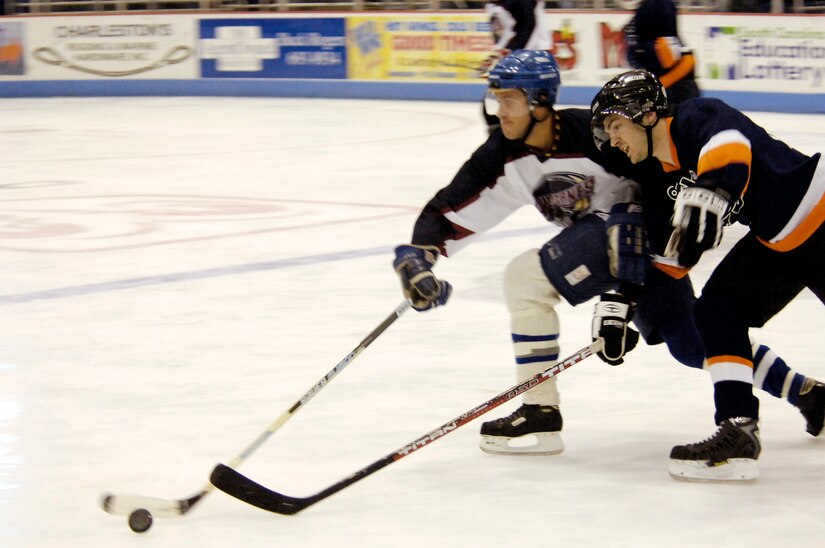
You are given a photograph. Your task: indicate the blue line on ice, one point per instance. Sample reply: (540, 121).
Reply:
(175, 277)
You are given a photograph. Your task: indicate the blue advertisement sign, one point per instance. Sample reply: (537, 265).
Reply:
(273, 48)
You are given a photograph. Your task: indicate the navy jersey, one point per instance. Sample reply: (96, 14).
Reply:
(653, 44)
(778, 191)
(502, 175)
(658, 189)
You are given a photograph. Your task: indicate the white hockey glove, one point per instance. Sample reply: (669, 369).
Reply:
(610, 317)
(414, 266)
(698, 217)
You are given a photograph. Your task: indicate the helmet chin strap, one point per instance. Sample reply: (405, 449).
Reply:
(533, 122)
(649, 131)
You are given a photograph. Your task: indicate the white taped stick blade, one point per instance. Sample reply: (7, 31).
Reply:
(124, 505)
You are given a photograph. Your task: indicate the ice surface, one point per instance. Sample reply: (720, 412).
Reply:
(178, 271)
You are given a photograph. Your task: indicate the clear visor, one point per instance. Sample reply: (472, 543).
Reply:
(600, 135)
(506, 102)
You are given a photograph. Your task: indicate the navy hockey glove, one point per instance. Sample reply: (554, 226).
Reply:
(628, 247)
(610, 317)
(414, 266)
(698, 216)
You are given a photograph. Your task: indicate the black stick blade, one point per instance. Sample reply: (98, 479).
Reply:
(233, 483)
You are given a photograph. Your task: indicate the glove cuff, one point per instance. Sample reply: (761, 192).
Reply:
(706, 198)
(618, 303)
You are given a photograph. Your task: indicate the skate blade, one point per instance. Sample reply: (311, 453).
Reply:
(733, 471)
(547, 443)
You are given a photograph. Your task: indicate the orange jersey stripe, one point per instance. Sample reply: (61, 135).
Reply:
(676, 272)
(801, 233)
(665, 53)
(682, 69)
(724, 155)
(730, 359)
(673, 154)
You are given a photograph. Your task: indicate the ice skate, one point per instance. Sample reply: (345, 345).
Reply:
(729, 455)
(811, 404)
(529, 430)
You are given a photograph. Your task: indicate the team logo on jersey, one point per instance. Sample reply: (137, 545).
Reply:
(683, 183)
(733, 212)
(689, 180)
(562, 196)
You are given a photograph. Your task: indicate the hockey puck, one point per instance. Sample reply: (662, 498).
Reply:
(140, 520)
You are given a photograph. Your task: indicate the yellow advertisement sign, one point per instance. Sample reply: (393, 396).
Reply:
(449, 48)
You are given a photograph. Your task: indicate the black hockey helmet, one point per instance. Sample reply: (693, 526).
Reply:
(631, 94)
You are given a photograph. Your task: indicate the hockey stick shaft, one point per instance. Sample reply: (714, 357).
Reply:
(239, 486)
(126, 504)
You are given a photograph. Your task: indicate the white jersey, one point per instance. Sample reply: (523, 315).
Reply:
(502, 176)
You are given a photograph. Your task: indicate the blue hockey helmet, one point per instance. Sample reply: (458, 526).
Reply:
(631, 94)
(535, 72)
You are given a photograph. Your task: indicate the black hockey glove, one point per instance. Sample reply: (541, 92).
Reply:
(414, 266)
(610, 317)
(628, 247)
(698, 216)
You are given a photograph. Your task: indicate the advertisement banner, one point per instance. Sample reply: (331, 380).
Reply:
(273, 48)
(751, 60)
(589, 48)
(11, 48)
(783, 55)
(142, 46)
(446, 48)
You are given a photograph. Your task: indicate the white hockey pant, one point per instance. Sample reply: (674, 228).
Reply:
(531, 299)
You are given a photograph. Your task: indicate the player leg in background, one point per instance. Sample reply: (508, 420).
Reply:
(772, 374)
(665, 314)
(576, 262)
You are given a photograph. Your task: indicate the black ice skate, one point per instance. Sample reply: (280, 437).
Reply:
(811, 404)
(529, 430)
(730, 455)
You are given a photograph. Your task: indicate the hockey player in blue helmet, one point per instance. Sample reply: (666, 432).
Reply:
(546, 158)
(525, 74)
(515, 24)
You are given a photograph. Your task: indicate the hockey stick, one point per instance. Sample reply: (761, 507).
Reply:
(239, 486)
(124, 505)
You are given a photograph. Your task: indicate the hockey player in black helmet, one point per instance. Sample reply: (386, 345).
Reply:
(546, 158)
(631, 95)
(727, 169)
